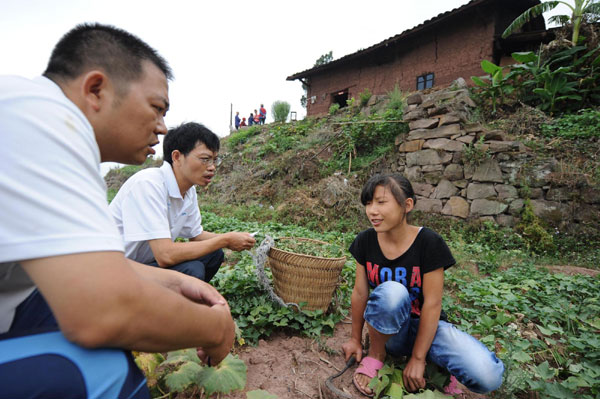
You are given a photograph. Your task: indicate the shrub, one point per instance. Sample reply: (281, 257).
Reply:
(280, 110)
(396, 99)
(536, 236)
(334, 108)
(365, 96)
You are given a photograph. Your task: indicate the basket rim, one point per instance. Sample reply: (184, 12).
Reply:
(307, 256)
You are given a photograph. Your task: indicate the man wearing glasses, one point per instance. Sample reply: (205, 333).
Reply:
(157, 205)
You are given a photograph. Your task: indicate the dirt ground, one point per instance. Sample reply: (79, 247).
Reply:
(293, 367)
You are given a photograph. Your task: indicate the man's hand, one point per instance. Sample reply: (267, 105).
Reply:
(198, 291)
(413, 375)
(214, 356)
(239, 241)
(352, 347)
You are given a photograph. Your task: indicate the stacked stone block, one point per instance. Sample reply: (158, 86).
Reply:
(432, 157)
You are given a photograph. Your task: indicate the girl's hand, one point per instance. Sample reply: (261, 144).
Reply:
(413, 375)
(352, 347)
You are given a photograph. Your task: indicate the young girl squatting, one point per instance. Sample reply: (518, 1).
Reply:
(403, 267)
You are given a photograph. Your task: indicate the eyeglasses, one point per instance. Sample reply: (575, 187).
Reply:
(211, 161)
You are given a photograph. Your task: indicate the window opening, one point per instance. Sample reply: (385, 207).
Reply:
(340, 98)
(425, 81)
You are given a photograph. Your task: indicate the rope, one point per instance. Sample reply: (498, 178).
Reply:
(259, 257)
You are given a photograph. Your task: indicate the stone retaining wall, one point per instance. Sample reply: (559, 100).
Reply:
(461, 169)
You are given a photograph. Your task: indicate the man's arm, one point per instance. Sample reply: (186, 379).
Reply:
(99, 300)
(168, 253)
(190, 287)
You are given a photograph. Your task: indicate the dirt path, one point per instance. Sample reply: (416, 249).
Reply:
(294, 367)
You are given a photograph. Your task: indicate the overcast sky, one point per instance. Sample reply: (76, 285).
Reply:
(221, 52)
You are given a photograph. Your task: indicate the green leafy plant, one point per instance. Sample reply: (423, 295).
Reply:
(545, 331)
(389, 383)
(280, 110)
(183, 370)
(495, 86)
(582, 125)
(535, 235)
(334, 108)
(365, 96)
(350, 103)
(561, 80)
(556, 88)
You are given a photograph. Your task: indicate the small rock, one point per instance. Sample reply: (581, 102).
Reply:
(456, 206)
(478, 191)
(415, 98)
(453, 172)
(423, 124)
(485, 207)
(411, 146)
(428, 205)
(448, 119)
(444, 189)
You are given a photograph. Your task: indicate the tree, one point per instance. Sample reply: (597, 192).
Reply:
(322, 60)
(588, 10)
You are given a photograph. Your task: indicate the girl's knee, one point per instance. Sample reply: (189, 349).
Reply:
(390, 295)
(388, 307)
(487, 376)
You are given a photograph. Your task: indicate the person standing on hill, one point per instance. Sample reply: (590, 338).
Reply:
(155, 206)
(263, 114)
(72, 306)
(237, 120)
(256, 118)
(251, 119)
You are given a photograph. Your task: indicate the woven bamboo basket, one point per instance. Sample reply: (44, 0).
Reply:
(304, 278)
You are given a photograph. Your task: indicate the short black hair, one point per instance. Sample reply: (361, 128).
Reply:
(116, 52)
(186, 137)
(399, 186)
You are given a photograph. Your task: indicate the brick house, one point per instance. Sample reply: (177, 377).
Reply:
(434, 53)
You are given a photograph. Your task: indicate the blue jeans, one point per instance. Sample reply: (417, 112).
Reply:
(473, 365)
(203, 268)
(37, 361)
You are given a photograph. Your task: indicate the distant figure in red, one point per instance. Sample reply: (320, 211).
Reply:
(263, 114)
(243, 122)
(256, 118)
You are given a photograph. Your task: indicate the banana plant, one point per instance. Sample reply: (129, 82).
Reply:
(556, 88)
(497, 84)
(580, 10)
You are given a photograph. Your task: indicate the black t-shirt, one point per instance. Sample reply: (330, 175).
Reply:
(427, 253)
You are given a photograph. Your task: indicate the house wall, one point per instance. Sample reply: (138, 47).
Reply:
(451, 50)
